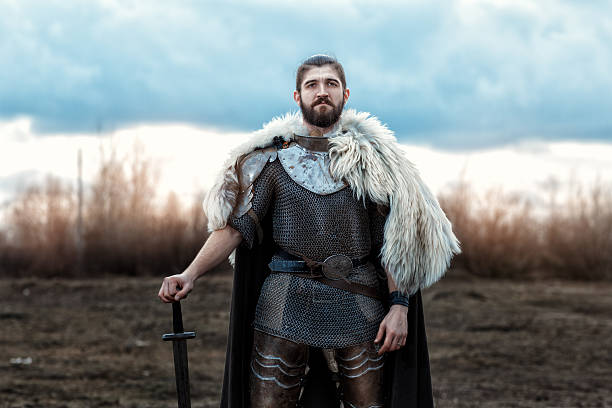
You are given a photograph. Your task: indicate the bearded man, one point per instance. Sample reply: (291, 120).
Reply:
(336, 234)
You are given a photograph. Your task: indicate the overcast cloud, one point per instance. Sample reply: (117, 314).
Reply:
(456, 75)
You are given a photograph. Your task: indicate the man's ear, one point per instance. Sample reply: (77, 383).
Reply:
(296, 97)
(347, 92)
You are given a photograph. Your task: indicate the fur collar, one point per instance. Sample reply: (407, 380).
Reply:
(418, 239)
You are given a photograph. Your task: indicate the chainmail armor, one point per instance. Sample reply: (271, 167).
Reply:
(316, 226)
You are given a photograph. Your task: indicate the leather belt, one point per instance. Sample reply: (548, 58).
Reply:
(332, 272)
(335, 263)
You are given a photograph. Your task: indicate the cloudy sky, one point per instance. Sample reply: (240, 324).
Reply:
(456, 78)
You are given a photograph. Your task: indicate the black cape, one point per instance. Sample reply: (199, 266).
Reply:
(407, 378)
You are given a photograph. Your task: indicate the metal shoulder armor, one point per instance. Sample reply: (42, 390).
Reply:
(309, 169)
(249, 167)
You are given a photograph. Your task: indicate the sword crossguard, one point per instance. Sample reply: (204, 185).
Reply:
(178, 336)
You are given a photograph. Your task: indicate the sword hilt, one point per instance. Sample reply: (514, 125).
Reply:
(177, 325)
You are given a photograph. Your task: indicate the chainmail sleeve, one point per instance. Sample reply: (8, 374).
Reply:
(262, 195)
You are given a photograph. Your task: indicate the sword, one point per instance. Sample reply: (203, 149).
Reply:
(179, 349)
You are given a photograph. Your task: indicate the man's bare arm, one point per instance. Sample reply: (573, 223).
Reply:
(217, 247)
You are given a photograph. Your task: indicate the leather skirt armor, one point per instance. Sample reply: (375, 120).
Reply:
(278, 367)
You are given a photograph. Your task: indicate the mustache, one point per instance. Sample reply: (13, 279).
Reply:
(322, 100)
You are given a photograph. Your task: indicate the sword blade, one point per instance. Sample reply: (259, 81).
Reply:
(181, 371)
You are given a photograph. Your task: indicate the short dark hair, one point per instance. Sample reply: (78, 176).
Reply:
(318, 60)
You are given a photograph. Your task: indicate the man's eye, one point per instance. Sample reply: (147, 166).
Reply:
(331, 83)
(311, 85)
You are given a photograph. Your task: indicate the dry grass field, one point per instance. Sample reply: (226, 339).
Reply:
(493, 343)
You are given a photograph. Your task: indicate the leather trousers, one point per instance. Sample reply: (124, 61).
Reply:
(279, 366)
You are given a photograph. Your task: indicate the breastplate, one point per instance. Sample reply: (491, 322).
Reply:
(309, 169)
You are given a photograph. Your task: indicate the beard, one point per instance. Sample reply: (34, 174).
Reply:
(323, 119)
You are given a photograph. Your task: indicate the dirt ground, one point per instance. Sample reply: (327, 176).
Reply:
(97, 343)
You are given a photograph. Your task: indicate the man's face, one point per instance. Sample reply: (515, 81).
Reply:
(321, 98)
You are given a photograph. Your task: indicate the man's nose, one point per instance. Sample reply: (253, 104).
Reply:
(322, 91)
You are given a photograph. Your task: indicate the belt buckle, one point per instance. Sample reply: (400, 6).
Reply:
(337, 267)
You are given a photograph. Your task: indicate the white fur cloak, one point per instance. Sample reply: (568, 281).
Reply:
(418, 238)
